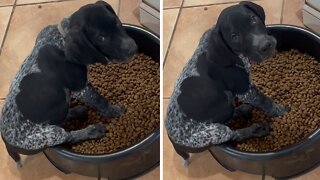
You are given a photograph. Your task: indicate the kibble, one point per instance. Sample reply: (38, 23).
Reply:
(134, 85)
(290, 78)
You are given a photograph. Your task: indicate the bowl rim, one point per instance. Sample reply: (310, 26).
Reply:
(133, 26)
(62, 151)
(228, 149)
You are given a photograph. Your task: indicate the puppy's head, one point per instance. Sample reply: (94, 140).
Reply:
(97, 35)
(242, 27)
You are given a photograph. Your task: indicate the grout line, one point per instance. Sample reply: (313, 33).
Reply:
(8, 26)
(173, 32)
(168, 8)
(212, 4)
(47, 2)
(1, 6)
(282, 9)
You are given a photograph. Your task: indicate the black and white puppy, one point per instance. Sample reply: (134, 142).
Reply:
(56, 69)
(203, 101)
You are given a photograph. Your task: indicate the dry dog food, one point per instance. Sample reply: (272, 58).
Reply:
(134, 85)
(290, 78)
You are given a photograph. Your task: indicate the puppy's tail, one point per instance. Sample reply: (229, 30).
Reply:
(15, 156)
(13, 153)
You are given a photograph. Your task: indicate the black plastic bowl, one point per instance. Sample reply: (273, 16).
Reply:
(126, 164)
(296, 159)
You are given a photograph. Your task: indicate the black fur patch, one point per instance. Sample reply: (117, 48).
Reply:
(203, 99)
(41, 100)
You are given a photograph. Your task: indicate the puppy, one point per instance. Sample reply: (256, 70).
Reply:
(203, 100)
(39, 96)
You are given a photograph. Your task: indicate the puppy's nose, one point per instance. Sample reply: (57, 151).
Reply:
(266, 47)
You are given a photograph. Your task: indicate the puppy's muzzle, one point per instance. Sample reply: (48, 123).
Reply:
(129, 48)
(267, 45)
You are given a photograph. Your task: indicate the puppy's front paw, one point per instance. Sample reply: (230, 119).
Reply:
(95, 131)
(114, 111)
(260, 129)
(278, 110)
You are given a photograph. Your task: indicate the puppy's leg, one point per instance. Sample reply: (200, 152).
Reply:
(40, 136)
(259, 100)
(255, 130)
(93, 131)
(91, 97)
(215, 133)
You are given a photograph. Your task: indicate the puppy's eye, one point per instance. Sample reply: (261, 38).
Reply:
(234, 37)
(102, 38)
(254, 19)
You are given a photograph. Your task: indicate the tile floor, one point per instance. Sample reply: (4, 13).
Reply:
(17, 36)
(185, 22)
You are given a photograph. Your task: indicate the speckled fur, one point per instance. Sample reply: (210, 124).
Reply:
(14, 128)
(187, 132)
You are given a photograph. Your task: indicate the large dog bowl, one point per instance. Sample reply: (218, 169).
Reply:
(125, 164)
(296, 159)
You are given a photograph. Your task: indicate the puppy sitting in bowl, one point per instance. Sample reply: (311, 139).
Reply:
(39, 96)
(203, 100)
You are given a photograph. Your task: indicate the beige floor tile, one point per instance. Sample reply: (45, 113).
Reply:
(153, 175)
(38, 1)
(292, 12)
(272, 10)
(171, 3)
(315, 174)
(190, 28)
(5, 15)
(205, 2)
(169, 21)
(6, 2)
(129, 11)
(21, 36)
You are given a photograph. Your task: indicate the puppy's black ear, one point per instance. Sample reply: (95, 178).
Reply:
(218, 50)
(108, 6)
(79, 49)
(258, 10)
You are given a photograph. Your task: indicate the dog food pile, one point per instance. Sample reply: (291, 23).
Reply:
(289, 78)
(134, 85)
